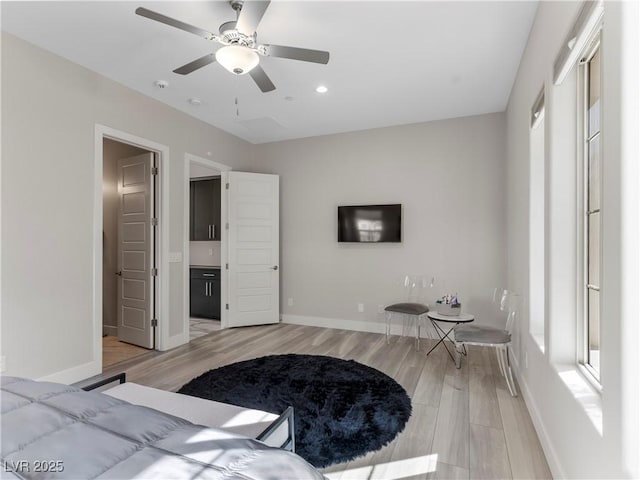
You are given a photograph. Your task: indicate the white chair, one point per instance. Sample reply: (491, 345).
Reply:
(492, 337)
(414, 309)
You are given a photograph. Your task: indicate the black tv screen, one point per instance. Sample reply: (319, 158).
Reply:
(370, 223)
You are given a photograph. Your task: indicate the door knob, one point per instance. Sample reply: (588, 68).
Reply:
(275, 267)
(119, 273)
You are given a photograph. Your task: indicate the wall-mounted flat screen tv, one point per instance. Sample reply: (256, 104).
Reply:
(370, 223)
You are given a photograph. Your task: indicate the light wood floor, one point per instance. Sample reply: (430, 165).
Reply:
(115, 351)
(202, 326)
(464, 422)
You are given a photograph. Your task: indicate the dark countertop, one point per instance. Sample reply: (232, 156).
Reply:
(205, 266)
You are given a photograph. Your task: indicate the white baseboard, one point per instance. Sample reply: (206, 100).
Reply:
(74, 374)
(110, 330)
(545, 440)
(353, 325)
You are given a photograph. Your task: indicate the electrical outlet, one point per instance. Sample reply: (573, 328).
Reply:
(380, 308)
(361, 307)
(290, 302)
(211, 252)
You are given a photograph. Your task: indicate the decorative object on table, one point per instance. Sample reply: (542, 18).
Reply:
(411, 311)
(507, 303)
(448, 305)
(342, 409)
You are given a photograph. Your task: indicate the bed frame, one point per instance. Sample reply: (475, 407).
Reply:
(279, 432)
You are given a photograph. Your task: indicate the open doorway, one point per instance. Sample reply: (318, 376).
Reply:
(249, 245)
(204, 245)
(128, 251)
(205, 249)
(164, 336)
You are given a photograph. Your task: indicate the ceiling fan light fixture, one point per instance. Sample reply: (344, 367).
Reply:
(237, 59)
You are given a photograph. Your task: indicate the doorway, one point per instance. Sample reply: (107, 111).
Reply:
(129, 253)
(165, 336)
(249, 245)
(204, 246)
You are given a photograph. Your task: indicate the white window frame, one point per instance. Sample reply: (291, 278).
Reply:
(583, 353)
(537, 223)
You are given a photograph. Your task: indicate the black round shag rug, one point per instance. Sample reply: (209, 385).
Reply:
(343, 409)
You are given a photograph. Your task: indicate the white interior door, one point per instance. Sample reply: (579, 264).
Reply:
(135, 250)
(253, 244)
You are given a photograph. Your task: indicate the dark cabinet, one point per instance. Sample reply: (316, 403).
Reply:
(205, 209)
(205, 293)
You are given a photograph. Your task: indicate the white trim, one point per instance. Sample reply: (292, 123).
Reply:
(206, 162)
(110, 330)
(224, 249)
(589, 19)
(75, 374)
(3, 360)
(537, 110)
(630, 235)
(96, 351)
(545, 439)
(338, 323)
(223, 169)
(370, 326)
(583, 149)
(164, 341)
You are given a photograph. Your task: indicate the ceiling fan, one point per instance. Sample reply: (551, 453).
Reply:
(240, 53)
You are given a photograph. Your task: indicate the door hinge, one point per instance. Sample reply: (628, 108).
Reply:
(154, 322)
(226, 226)
(227, 186)
(154, 170)
(226, 266)
(226, 306)
(154, 272)
(154, 222)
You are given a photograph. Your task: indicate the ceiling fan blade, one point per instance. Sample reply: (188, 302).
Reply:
(250, 16)
(158, 17)
(294, 53)
(196, 64)
(262, 80)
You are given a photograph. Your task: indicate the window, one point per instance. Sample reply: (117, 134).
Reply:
(537, 205)
(591, 153)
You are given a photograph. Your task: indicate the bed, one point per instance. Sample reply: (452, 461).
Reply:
(52, 430)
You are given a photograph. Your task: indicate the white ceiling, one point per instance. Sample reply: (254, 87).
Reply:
(392, 62)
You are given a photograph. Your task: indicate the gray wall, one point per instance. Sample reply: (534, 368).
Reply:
(50, 108)
(448, 176)
(112, 151)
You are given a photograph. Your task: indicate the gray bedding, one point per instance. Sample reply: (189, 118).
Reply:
(51, 430)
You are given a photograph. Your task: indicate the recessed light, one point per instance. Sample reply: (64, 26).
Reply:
(321, 89)
(195, 101)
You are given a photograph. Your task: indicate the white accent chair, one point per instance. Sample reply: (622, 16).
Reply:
(492, 337)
